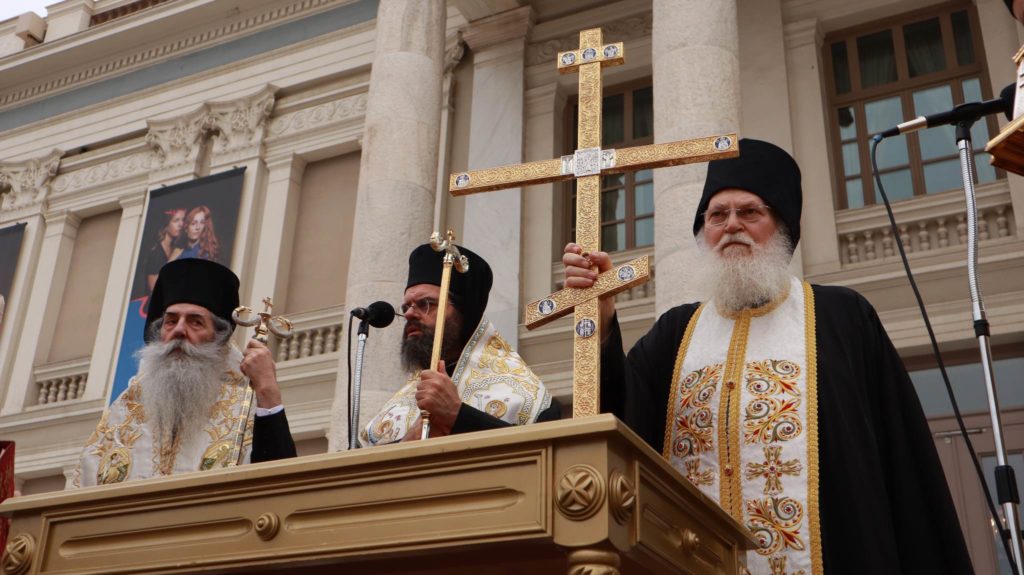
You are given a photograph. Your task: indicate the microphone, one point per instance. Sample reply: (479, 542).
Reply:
(378, 314)
(970, 111)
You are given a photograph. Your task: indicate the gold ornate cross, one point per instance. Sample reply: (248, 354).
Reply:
(587, 165)
(263, 322)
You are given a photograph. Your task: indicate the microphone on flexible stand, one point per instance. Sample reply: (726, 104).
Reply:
(1007, 151)
(378, 314)
(969, 112)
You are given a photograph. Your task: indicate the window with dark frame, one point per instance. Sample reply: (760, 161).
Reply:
(627, 200)
(884, 73)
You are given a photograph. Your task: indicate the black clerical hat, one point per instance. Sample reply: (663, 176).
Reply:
(469, 290)
(195, 281)
(763, 169)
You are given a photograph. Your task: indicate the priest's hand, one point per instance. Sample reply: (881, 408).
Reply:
(436, 393)
(581, 271)
(258, 365)
(415, 432)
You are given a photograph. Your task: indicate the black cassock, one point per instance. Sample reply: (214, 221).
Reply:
(885, 506)
(271, 438)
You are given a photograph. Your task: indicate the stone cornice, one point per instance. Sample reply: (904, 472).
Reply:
(65, 7)
(27, 183)
(132, 202)
(308, 119)
(62, 222)
(87, 70)
(231, 131)
(240, 125)
(499, 28)
(235, 130)
(120, 168)
(122, 11)
(802, 33)
(455, 49)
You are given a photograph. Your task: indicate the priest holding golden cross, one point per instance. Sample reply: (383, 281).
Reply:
(264, 322)
(587, 166)
(756, 395)
(189, 408)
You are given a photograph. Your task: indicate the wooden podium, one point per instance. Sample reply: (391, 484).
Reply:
(581, 496)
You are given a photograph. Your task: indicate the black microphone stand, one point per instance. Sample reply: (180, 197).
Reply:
(353, 421)
(1006, 484)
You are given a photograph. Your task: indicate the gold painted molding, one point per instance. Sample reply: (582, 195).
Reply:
(448, 505)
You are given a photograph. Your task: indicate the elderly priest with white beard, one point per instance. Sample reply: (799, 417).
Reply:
(185, 409)
(784, 402)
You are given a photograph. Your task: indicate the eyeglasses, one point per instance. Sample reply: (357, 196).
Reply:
(422, 306)
(748, 214)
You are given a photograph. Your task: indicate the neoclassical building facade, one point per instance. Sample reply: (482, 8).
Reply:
(348, 116)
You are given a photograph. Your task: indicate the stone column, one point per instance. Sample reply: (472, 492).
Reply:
(104, 350)
(696, 93)
(493, 220)
(24, 187)
(277, 229)
(541, 203)
(395, 203)
(455, 49)
(765, 111)
(44, 305)
(819, 247)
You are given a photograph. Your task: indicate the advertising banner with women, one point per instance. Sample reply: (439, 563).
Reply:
(10, 248)
(195, 219)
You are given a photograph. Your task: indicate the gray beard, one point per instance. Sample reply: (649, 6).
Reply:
(416, 350)
(740, 281)
(180, 383)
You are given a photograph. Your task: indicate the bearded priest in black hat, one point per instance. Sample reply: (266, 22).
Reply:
(185, 410)
(481, 382)
(784, 402)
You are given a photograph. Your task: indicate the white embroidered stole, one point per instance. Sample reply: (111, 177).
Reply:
(742, 425)
(489, 375)
(123, 446)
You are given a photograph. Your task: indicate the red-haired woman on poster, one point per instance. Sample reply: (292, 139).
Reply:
(200, 239)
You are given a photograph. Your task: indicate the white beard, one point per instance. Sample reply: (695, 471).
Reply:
(180, 387)
(737, 280)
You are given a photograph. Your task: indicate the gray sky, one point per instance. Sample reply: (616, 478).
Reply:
(12, 8)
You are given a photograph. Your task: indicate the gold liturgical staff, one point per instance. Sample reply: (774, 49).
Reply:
(587, 165)
(264, 322)
(452, 258)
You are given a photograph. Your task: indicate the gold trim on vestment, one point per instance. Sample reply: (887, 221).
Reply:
(813, 491)
(489, 376)
(666, 449)
(730, 485)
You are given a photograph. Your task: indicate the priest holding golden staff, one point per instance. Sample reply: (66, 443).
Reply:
(481, 382)
(186, 409)
(784, 402)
